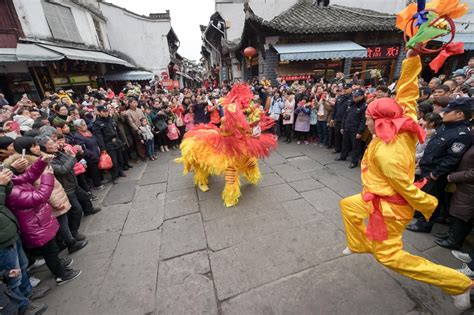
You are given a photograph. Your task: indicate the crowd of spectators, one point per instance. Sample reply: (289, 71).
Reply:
(51, 155)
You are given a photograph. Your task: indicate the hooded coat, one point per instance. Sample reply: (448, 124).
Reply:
(59, 201)
(30, 205)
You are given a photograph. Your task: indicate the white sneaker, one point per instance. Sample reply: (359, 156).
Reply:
(463, 300)
(347, 251)
(465, 270)
(464, 257)
(298, 142)
(34, 281)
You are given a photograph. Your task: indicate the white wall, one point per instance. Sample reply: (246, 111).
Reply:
(33, 21)
(142, 39)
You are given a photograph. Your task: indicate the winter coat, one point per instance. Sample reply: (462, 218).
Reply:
(462, 203)
(63, 166)
(146, 133)
(59, 201)
(30, 205)
(8, 223)
(289, 111)
(173, 132)
(89, 145)
(302, 118)
(26, 123)
(189, 121)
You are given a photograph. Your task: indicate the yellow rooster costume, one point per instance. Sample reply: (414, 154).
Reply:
(389, 194)
(233, 149)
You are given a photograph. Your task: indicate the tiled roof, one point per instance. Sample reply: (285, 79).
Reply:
(307, 18)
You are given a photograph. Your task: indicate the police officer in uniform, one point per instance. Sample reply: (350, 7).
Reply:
(353, 125)
(443, 153)
(342, 102)
(108, 137)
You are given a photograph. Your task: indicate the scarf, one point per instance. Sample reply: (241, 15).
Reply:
(390, 120)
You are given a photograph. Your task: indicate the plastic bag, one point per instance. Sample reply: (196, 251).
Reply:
(105, 161)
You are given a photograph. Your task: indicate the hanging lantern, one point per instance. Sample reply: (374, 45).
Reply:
(250, 52)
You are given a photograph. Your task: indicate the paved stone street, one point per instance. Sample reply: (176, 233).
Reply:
(161, 247)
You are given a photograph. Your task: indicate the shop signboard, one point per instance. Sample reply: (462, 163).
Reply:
(295, 77)
(176, 84)
(79, 79)
(60, 81)
(167, 84)
(383, 51)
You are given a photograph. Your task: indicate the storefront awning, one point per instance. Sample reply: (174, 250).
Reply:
(129, 76)
(466, 38)
(8, 55)
(32, 52)
(316, 51)
(86, 55)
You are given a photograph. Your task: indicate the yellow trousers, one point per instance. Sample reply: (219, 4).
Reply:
(390, 252)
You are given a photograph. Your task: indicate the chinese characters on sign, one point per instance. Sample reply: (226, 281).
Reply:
(295, 77)
(391, 51)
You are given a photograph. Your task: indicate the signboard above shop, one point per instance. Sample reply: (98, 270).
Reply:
(383, 51)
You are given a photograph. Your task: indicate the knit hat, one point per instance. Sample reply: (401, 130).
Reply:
(5, 142)
(24, 143)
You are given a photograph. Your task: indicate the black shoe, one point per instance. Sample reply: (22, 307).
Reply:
(104, 181)
(77, 245)
(441, 236)
(66, 261)
(417, 228)
(129, 166)
(125, 168)
(122, 175)
(447, 244)
(93, 211)
(340, 159)
(93, 197)
(69, 275)
(353, 165)
(79, 236)
(115, 181)
(35, 309)
(39, 292)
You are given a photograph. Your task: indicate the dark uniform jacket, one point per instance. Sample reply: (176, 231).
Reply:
(462, 203)
(354, 117)
(342, 102)
(445, 149)
(105, 130)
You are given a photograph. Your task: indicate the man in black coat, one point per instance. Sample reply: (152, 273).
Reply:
(342, 102)
(105, 130)
(353, 125)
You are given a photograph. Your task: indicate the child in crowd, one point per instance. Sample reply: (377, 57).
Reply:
(189, 119)
(147, 138)
(173, 134)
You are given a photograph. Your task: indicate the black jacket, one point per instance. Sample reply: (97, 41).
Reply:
(105, 130)
(445, 149)
(354, 117)
(342, 102)
(63, 167)
(8, 224)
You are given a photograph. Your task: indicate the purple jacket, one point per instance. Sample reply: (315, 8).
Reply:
(30, 205)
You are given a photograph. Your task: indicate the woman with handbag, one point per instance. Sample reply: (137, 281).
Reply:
(277, 104)
(159, 118)
(178, 111)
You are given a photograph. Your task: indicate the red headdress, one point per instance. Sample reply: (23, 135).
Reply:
(390, 120)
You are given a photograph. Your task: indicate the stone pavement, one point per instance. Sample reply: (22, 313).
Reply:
(161, 247)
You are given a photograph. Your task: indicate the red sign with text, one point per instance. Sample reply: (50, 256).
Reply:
(383, 51)
(295, 77)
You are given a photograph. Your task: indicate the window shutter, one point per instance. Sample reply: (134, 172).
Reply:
(61, 22)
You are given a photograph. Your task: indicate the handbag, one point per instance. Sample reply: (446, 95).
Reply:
(286, 116)
(105, 161)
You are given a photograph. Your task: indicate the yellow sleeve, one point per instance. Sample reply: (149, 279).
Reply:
(396, 175)
(408, 91)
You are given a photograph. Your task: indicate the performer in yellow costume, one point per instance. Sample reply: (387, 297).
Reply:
(390, 195)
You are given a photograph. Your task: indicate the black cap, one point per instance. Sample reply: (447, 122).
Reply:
(347, 86)
(461, 104)
(102, 108)
(5, 142)
(358, 92)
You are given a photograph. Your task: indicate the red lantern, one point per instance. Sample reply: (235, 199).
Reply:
(249, 52)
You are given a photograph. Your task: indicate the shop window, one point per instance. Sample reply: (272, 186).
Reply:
(100, 35)
(61, 22)
(364, 67)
